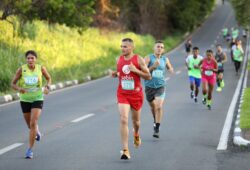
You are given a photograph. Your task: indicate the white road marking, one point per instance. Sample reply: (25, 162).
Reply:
(178, 72)
(82, 118)
(8, 148)
(168, 78)
(229, 119)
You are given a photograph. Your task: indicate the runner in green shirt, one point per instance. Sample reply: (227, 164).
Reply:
(29, 79)
(238, 55)
(194, 72)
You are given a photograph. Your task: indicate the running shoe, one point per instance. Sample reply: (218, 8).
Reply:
(156, 133)
(38, 136)
(209, 107)
(137, 141)
(192, 95)
(125, 154)
(222, 84)
(195, 99)
(204, 101)
(219, 89)
(29, 154)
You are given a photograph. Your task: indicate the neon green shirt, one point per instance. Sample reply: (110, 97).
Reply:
(191, 62)
(238, 55)
(224, 31)
(31, 80)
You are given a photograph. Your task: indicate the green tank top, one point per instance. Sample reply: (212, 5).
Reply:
(31, 80)
(191, 61)
(238, 55)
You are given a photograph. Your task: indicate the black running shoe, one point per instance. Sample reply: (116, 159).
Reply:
(195, 100)
(204, 101)
(192, 95)
(156, 133)
(125, 154)
(209, 107)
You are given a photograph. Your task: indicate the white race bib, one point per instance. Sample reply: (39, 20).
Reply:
(157, 74)
(209, 73)
(31, 80)
(219, 64)
(128, 84)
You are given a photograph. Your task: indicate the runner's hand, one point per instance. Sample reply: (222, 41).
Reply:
(21, 90)
(46, 90)
(196, 67)
(171, 70)
(114, 74)
(132, 67)
(156, 63)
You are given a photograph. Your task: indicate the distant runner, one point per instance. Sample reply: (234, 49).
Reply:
(194, 72)
(209, 68)
(188, 46)
(221, 58)
(238, 55)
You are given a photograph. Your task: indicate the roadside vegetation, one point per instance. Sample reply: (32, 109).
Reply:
(82, 37)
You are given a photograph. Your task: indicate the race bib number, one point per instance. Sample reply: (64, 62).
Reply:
(128, 84)
(157, 74)
(31, 80)
(219, 64)
(209, 73)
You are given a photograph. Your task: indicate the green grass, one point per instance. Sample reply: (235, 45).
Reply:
(67, 54)
(248, 65)
(245, 111)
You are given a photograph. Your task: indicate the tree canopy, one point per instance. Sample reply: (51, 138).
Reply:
(70, 12)
(242, 11)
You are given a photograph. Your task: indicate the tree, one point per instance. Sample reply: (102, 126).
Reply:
(242, 11)
(73, 13)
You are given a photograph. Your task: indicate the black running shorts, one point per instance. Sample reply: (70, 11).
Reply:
(27, 106)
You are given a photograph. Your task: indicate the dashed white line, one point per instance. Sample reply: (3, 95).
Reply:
(8, 148)
(178, 72)
(82, 118)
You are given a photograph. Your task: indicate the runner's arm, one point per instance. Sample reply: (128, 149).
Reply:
(169, 66)
(216, 67)
(144, 72)
(224, 58)
(200, 63)
(152, 67)
(15, 80)
(47, 77)
(186, 63)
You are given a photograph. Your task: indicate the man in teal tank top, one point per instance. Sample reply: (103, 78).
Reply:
(29, 79)
(155, 88)
(194, 72)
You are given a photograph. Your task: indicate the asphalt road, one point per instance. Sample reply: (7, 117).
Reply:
(189, 132)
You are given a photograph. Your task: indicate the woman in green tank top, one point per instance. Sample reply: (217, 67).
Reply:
(28, 82)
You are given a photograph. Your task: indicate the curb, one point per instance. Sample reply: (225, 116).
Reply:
(54, 87)
(238, 138)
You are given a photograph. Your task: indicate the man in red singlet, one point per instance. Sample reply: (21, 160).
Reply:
(130, 68)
